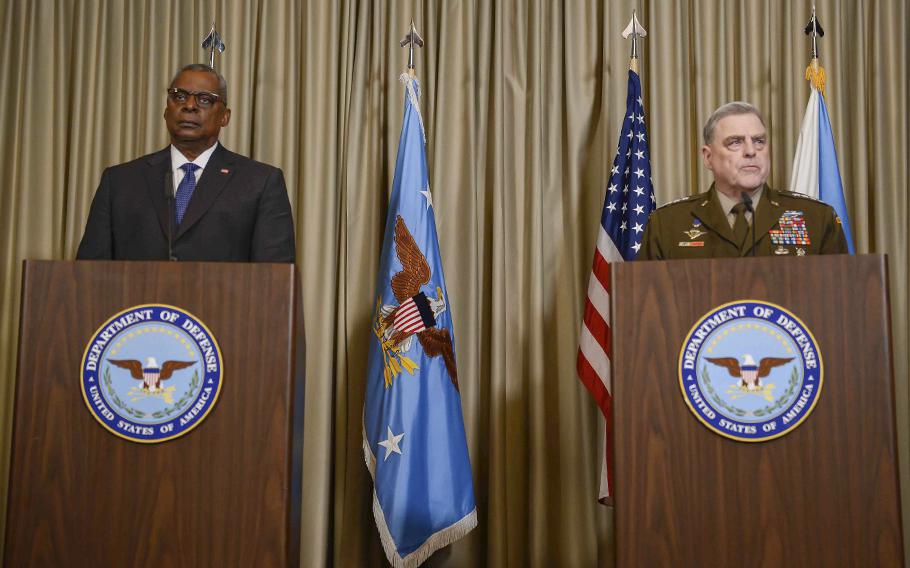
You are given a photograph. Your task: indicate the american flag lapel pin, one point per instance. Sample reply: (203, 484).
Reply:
(224, 170)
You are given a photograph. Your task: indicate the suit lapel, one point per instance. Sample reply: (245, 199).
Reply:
(708, 210)
(158, 165)
(767, 215)
(215, 176)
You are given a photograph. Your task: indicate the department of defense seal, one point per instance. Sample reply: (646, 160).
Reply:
(151, 373)
(750, 370)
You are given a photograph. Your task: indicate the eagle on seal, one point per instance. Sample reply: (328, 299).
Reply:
(416, 313)
(151, 375)
(749, 373)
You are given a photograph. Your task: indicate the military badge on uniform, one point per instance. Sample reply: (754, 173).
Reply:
(151, 373)
(694, 233)
(781, 250)
(792, 230)
(750, 371)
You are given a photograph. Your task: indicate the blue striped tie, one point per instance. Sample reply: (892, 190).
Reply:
(185, 189)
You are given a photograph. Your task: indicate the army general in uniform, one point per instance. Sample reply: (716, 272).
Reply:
(719, 223)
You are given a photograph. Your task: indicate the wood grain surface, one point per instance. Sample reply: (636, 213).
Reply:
(223, 494)
(825, 494)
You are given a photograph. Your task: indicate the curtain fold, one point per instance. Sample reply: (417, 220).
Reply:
(522, 101)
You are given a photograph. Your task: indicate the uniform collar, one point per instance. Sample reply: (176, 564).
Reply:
(708, 210)
(727, 203)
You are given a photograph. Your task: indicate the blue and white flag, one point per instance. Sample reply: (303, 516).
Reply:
(413, 431)
(815, 169)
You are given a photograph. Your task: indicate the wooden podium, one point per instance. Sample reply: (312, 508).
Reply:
(225, 494)
(825, 494)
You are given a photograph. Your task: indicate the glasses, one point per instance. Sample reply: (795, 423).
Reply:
(204, 99)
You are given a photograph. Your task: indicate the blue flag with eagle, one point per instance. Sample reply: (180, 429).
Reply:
(413, 431)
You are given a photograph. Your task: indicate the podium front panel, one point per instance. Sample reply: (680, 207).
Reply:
(825, 494)
(221, 495)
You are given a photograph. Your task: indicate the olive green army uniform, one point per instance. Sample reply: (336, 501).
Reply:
(785, 224)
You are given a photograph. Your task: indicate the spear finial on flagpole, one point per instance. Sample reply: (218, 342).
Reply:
(213, 42)
(635, 30)
(411, 39)
(815, 73)
(814, 29)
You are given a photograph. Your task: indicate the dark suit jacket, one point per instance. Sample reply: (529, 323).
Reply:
(239, 212)
(696, 227)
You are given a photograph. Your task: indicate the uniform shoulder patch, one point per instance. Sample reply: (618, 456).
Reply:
(681, 200)
(798, 195)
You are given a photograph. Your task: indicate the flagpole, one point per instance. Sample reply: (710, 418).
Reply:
(213, 42)
(635, 31)
(815, 73)
(412, 39)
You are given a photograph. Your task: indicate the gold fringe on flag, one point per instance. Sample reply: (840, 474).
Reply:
(815, 74)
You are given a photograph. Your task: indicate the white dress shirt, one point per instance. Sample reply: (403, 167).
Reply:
(178, 159)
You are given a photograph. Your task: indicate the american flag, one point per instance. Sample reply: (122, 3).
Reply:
(628, 203)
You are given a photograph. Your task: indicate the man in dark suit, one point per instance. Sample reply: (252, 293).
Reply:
(217, 205)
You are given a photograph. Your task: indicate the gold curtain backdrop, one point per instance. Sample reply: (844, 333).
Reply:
(523, 100)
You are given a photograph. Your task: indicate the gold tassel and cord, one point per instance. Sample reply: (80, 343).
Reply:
(815, 74)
